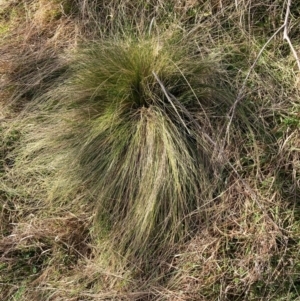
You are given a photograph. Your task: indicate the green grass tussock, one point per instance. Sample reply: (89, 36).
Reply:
(144, 119)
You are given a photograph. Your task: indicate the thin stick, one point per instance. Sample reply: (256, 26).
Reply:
(241, 92)
(285, 33)
(170, 100)
(240, 95)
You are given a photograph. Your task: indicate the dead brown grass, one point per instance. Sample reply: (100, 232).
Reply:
(246, 247)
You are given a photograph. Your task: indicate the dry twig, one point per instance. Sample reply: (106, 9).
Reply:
(285, 33)
(240, 95)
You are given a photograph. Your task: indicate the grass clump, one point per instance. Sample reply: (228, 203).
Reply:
(145, 125)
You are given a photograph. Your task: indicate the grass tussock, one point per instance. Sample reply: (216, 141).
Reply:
(140, 136)
(148, 151)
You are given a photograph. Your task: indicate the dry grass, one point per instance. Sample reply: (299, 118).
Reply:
(110, 194)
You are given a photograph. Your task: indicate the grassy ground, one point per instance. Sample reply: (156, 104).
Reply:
(149, 150)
